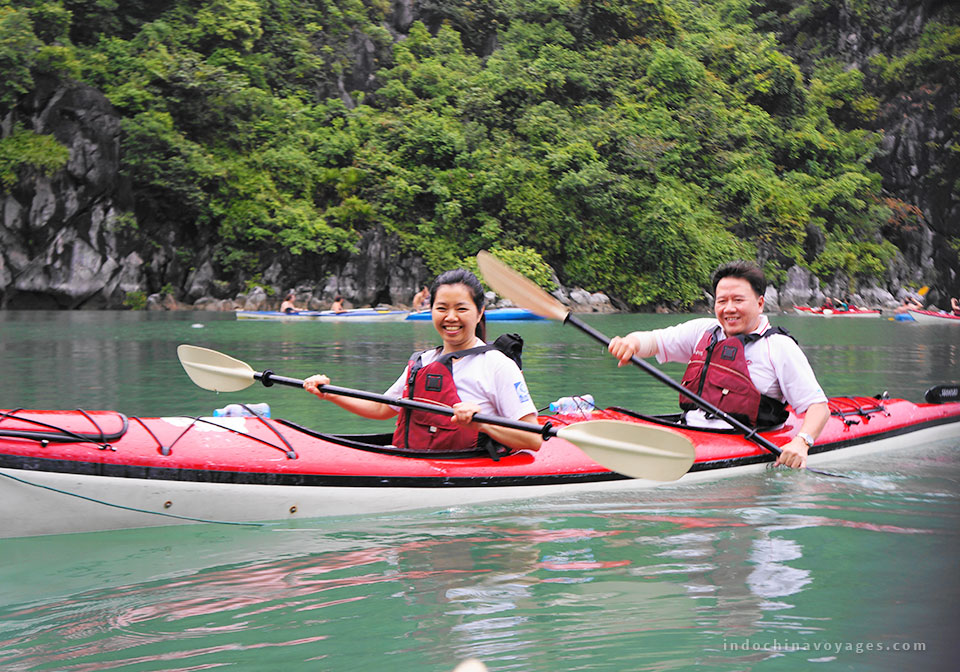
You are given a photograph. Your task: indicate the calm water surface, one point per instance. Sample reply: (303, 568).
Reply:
(778, 571)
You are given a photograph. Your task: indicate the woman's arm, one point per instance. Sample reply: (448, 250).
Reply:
(362, 407)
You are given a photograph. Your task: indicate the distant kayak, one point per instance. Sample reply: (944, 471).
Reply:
(832, 312)
(934, 317)
(354, 315)
(493, 315)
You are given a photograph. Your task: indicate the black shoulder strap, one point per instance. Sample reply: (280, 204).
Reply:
(750, 338)
(448, 358)
(509, 344)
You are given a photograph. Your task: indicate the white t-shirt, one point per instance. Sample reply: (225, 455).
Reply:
(777, 365)
(491, 379)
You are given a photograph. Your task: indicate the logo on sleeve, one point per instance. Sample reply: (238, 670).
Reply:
(522, 393)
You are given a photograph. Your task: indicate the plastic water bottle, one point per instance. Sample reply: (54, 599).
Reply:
(238, 411)
(573, 404)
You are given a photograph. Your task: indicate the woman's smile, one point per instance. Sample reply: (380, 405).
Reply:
(455, 316)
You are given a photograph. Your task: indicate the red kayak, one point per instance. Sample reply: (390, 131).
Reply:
(77, 471)
(934, 317)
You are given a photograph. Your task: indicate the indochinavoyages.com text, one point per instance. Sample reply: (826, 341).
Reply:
(822, 647)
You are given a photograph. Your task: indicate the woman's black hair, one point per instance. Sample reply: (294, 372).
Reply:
(461, 276)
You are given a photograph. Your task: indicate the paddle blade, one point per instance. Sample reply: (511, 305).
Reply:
(214, 370)
(923, 291)
(631, 449)
(521, 290)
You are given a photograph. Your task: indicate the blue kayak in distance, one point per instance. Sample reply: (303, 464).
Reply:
(493, 315)
(353, 315)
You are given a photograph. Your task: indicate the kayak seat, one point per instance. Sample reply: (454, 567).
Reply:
(676, 420)
(381, 443)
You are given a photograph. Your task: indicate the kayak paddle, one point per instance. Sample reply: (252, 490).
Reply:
(525, 293)
(631, 449)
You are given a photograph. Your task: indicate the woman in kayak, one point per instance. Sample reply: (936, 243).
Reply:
(738, 362)
(288, 306)
(463, 373)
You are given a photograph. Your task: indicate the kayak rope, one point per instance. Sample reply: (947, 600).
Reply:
(130, 508)
(64, 435)
(167, 450)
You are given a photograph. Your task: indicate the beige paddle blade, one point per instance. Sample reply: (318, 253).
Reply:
(521, 290)
(214, 370)
(631, 449)
(471, 665)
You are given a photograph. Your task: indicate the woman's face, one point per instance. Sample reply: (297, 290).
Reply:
(455, 316)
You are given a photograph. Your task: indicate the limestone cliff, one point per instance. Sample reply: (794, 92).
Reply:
(71, 240)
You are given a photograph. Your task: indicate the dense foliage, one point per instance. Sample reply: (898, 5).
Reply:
(631, 144)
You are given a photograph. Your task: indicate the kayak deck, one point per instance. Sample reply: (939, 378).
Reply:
(245, 449)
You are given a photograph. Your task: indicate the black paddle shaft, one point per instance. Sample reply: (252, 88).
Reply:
(269, 378)
(750, 433)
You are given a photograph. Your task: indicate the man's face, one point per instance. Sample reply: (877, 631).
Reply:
(737, 306)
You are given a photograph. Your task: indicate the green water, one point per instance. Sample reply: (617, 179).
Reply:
(771, 571)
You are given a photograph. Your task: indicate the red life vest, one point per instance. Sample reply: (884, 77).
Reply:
(718, 373)
(425, 432)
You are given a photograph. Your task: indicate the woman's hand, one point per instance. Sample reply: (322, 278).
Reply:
(313, 383)
(622, 348)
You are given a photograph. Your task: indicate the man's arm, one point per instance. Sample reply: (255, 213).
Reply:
(794, 453)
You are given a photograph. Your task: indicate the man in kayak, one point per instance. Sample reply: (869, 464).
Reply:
(909, 303)
(739, 341)
(463, 373)
(337, 305)
(421, 300)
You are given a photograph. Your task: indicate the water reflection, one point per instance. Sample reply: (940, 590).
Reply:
(615, 581)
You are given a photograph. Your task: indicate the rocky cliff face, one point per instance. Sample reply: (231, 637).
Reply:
(68, 241)
(918, 161)
(61, 243)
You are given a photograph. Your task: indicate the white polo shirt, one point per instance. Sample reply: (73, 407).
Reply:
(777, 365)
(491, 379)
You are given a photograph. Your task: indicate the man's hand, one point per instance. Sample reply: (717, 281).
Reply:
(794, 454)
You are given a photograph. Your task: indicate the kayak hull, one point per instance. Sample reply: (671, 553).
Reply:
(828, 312)
(353, 315)
(934, 317)
(115, 472)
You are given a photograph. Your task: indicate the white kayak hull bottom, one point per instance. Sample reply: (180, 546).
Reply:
(40, 502)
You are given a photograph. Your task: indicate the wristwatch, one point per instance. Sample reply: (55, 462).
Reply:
(807, 439)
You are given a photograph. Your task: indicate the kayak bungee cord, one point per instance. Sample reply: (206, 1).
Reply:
(129, 508)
